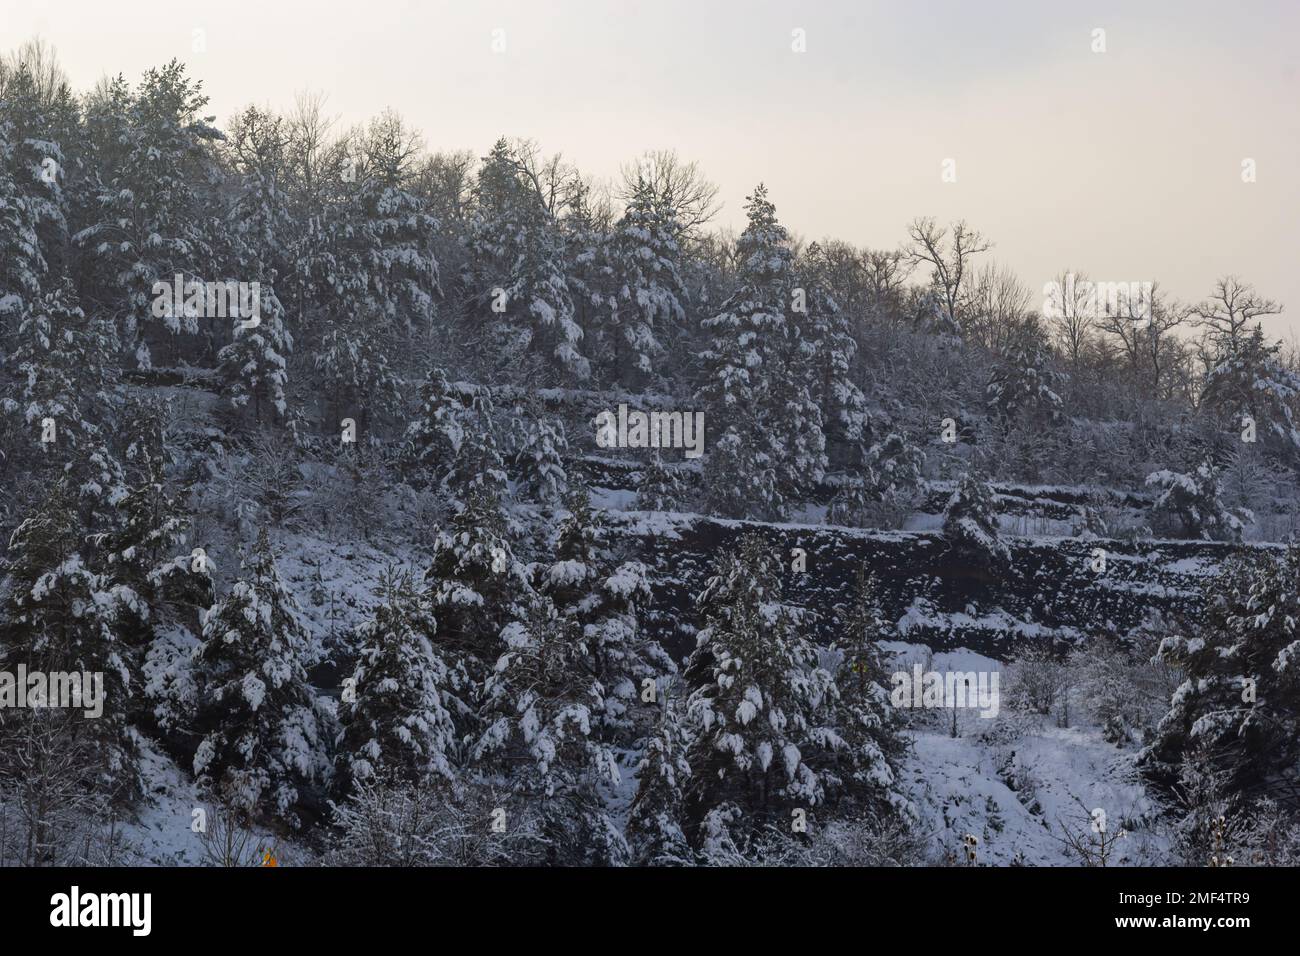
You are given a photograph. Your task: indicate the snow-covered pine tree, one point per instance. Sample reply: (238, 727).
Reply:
(852, 505)
(22, 265)
(396, 713)
(602, 597)
(153, 180)
(659, 488)
(255, 363)
(540, 714)
(654, 826)
(894, 467)
(60, 404)
(859, 743)
(740, 478)
(64, 368)
(752, 691)
(1024, 386)
(435, 434)
(830, 349)
(1194, 501)
(1238, 708)
(517, 276)
(146, 550)
(475, 581)
(62, 616)
(588, 274)
(265, 732)
(539, 450)
(970, 524)
(794, 432)
(933, 317)
(479, 462)
(751, 328)
(259, 230)
(756, 382)
(373, 275)
(890, 481)
(649, 295)
(1250, 386)
(40, 137)
(393, 248)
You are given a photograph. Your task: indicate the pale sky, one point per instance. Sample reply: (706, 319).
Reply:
(1126, 164)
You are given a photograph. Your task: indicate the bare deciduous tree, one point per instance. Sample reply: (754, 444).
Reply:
(996, 307)
(1228, 314)
(948, 252)
(680, 183)
(1070, 315)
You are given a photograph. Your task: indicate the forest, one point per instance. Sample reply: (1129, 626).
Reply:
(442, 505)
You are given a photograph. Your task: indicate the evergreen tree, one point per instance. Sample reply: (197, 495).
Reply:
(893, 467)
(654, 826)
(540, 447)
(757, 379)
(740, 477)
(517, 278)
(255, 363)
(151, 179)
(436, 433)
(1239, 705)
(970, 524)
(62, 616)
(64, 375)
(648, 290)
(265, 732)
(852, 506)
(890, 482)
(831, 349)
(857, 751)
(602, 598)
(146, 549)
(1251, 387)
(396, 713)
(541, 707)
(59, 404)
(393, 248)
(659, 489)
(474, 578)
(1024, 386)
(40, 137)
(479, 463)
(1195, 502)
(589, 275)
(752, 694)
(22, 265)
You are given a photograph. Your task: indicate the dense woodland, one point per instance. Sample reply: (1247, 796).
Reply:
(436, 329)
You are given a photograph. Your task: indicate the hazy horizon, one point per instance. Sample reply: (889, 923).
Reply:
(1125, 164)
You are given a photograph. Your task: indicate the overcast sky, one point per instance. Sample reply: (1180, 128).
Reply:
(1126, 164)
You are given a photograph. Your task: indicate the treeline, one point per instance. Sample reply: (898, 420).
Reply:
(376, 259)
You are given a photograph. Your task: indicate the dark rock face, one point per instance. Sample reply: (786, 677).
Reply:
(935, 595)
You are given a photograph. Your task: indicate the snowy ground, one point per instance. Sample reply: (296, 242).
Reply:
(164, 833)
(1014, 781)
